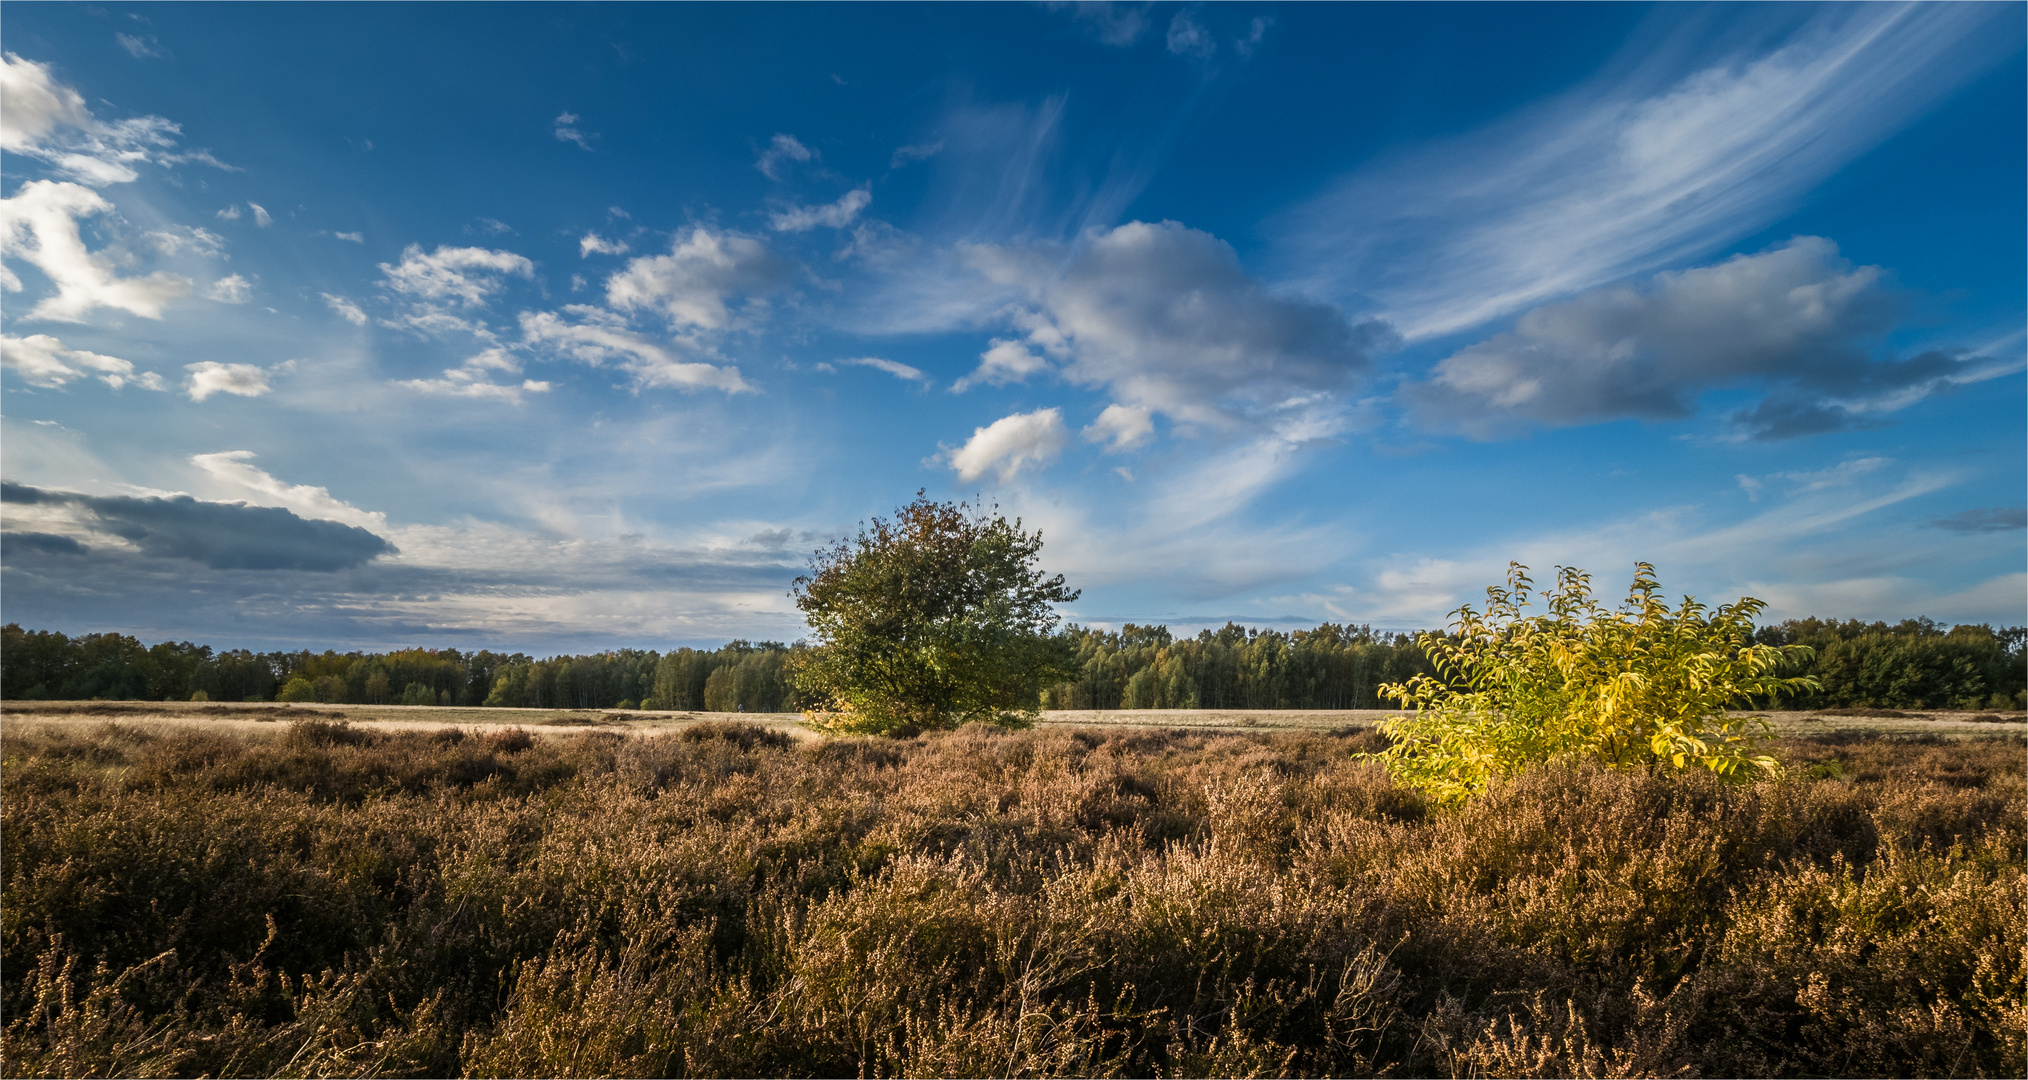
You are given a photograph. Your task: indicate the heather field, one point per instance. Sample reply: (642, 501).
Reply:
(258, 891)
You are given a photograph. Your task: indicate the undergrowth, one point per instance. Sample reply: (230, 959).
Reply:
(325, 900)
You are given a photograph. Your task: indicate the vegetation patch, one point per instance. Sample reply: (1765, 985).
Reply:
(723, 901)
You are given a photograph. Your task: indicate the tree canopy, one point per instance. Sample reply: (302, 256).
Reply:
(930, 620)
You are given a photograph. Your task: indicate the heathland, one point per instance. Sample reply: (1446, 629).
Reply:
(310, 897)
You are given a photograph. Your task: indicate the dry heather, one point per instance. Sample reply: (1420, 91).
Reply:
(329, 901)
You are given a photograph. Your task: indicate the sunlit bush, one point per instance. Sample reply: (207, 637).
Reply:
(1637, 686)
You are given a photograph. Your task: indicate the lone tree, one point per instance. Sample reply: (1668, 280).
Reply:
(931, 620)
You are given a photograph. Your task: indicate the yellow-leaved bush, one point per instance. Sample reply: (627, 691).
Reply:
(1641, 686)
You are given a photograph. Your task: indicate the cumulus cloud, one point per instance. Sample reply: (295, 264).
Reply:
(346, 309)
(211, 377)
(594, 244)
(893, 367)
(781, 150)
(42, 360)
(834, 215)
(599, 338)
(222, 536)
(690, 285)
(567, 131)
(1797, 319)
(465, 274)
(1986, 519)
(1121, 427)
(1009, 444)
(475, 379)
(1003, 362)
(231, 290)
(39, 225)
(42, 118)
(1164, 318)
(260, 214)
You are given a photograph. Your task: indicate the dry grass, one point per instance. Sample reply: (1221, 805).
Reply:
(334, 900)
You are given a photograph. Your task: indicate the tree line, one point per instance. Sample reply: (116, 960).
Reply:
(1915, 664)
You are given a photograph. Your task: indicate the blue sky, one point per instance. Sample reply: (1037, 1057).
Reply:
(574, 327)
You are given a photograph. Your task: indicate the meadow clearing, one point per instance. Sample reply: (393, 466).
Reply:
(247, 890)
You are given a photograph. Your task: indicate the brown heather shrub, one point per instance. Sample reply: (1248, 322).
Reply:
(324, 900)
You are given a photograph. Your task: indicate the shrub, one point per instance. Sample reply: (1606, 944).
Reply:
(1641, 685)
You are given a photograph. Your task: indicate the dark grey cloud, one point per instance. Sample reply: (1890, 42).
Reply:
(14, 543)
(222, 536)
(1797, 322)
(1986, 519)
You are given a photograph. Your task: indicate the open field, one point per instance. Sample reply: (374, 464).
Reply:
(190, 892)
(263, 716)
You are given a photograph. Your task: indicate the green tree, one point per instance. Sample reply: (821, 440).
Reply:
(930, 620)
(1641, 685)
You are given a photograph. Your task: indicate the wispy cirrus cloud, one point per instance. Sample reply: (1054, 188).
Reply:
(1622, 175)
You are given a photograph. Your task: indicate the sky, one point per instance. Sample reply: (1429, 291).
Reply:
(567, 328)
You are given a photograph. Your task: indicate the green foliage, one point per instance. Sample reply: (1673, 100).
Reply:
(1639, 686)
(1234, 667)
(929, 621)
(321, 900)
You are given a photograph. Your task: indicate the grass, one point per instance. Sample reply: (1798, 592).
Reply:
(314, 896)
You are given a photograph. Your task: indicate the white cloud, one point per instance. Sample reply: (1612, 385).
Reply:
(1622, 175)
(1255, 34)
(567, 131)
(594, 244)
(357, 238)
(781, 150)
(467, 275)
(1795, 321)
(474, 379)
(211, 377)
(1008, 444)
(1122, 427)
(1115, 24)
(835, 215)
(1188, 37)
(1165, 319)
(893, 367)
(138, 47)
(258, 487)
(1002, 363)
(175, 240)
(42, 118)
(600, 338)
(690, 285)
(260, 214)
(231, 290)
(230, 213)
(39, 225)
(346, 309)
(914, 152)
(45, 361)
